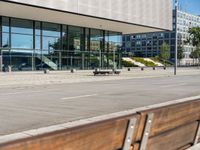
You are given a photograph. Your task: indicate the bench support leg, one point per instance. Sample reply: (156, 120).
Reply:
(129, 134)
(147, 131)
(197, 135)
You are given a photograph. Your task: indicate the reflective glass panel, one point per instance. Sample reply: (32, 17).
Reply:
(50, 43)
(37, 28)
(51, 36)
(21, 26)
(96, 40)
(22, 41)
(5, 40)
(5, 24)
(76, 38)
(37, 42)
(50, 29)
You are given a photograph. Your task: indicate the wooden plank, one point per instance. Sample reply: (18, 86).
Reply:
(136, 146)
(170, 117)
(107, 135)
(174, 139)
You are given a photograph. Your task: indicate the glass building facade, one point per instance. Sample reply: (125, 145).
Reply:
(27, 45)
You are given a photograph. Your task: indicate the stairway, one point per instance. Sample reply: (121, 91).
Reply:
(48, 62)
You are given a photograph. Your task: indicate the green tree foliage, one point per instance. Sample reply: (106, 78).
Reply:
(196, 54)
(164, 51)
(180, 52)
(194, 37)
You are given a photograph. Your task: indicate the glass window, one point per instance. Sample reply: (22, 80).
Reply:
(96, 40)
(160, 42)
(21, 26)
(173, 35)
(5, 40)
(21, 34)
(144, 43)
(167, 35)
(50, 29)
(38, 35)
(5, 24)
(87, 39)
(50, 43)
(64, 38)
(76, 38)
(37, 42)
(51, 36)
(37, 28)
(128, 38)
(115, 40)
(22, 41)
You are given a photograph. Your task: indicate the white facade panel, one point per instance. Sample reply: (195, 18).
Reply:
(152, 13)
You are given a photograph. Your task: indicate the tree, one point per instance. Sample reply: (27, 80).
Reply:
(180, 53)
(196, 54)
(164, 52)
(194, 36)
(194, 39)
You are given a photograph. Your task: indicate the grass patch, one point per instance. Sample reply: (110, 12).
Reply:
(128, 64)
(146, 63)
(157, 59)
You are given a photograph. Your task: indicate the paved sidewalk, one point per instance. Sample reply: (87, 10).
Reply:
(22, 79)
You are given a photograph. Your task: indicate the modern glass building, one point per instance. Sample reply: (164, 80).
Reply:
(33, 45)
(149, 44)
(60, 35)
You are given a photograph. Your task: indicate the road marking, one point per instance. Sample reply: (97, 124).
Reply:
(76, 97)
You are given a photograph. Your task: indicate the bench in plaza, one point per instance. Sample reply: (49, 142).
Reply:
(105, 72)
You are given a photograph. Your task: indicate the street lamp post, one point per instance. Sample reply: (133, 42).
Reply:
(176, 36)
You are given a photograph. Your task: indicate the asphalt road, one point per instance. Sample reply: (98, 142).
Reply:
(33, 107)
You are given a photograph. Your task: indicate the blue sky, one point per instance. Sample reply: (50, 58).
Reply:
(191, 6)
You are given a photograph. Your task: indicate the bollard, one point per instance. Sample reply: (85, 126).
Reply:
(46, 71)
(4, 69)
(154, 68)
(164, 68)
(142, 69)
(129, 69)
(73, 70)
(9, 69)
(97, 69)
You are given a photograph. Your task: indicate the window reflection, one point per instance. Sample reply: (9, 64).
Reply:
(76, 38)
(5, 24)
(21, 34)
(5, 40)
(5, 32)
(30, 45)
(51, 36)
(22, 41)
(21, 26)
(96, 40)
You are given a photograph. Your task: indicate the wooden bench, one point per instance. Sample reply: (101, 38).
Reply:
(105, 72)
